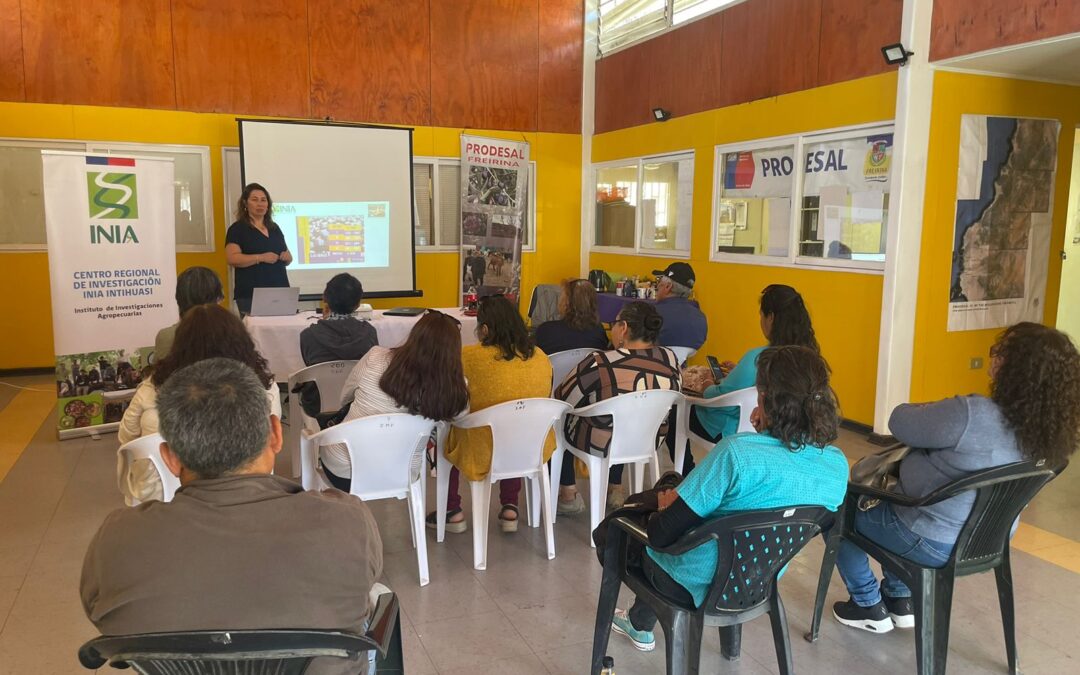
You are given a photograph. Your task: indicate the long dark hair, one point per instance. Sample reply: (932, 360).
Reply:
(242, 214)
(642, 321)
(206, 332)
(504, 328)
(577, 304)
(790, 320)
(1037, 389)
(800, 406)
(425, 374)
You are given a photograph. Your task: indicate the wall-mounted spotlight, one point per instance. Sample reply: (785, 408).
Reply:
(661, 115)
(895, 54)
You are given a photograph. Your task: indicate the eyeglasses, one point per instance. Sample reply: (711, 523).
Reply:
(443, 314)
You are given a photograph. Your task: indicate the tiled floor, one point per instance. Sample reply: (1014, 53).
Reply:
(525, 614)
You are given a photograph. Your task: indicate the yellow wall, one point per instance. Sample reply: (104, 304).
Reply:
(845, 306)
(941, 359)
(26, 316)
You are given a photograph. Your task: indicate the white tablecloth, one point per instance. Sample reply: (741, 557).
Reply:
(278, 337)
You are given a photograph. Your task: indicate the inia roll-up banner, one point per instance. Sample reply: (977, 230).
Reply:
(494, 192)
(112, 267)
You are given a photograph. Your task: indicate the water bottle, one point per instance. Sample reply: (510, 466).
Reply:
(609, 666)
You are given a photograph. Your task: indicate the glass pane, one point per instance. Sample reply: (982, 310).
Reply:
(233, 188)
(449, 205)
(425, 234)
(689, 9)
(753, 207)
(667, 194)
(22, 201)
(616, 205)
(845, 198)
(623, 21)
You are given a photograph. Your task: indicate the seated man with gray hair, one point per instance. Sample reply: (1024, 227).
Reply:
(237, 547)
(684, 322)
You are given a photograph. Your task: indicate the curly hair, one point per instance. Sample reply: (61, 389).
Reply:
(1037, 388)
(577, 304)
(210, 331)
(642, 321)
(800, 406)
(791, 321)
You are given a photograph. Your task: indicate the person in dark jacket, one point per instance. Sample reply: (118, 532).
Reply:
(684, 322)
(339, 336)
(579, 327)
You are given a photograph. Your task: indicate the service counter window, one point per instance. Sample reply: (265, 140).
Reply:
(753, 206)
(643, 205)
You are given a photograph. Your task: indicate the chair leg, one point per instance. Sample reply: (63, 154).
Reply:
(555, 476)
(731, 642)
(442, 489)
(933, 605)
(416, 515)
(682, 417)
(682, 643)
(598, 478)
(610, 584)
(481, 506)
(1003, 573)
(534, 499)
(781, 639)
(638, 480)
(655, 466)
(547, 509)
(828, 564)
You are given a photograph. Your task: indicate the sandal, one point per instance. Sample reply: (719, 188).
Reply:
(507, 524)
(455, 527)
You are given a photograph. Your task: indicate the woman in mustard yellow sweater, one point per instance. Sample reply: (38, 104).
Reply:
(505, 366)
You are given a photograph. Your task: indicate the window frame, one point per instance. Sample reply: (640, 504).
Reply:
(638, 249)
(37, 143)
(438, 246)
(793, 259)
(667, 25)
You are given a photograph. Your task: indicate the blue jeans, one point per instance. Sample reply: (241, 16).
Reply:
(881, 526)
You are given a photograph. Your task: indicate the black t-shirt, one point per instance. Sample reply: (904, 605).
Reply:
(556, 336)
(259, 275)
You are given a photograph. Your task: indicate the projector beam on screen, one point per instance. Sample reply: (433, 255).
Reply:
(343, 198)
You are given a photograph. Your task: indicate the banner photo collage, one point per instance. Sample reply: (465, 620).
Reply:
(110, 227)
(494, 196)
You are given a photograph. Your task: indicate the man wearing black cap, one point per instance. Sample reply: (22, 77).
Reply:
(684, 322)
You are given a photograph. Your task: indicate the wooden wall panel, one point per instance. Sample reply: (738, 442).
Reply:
(794, 32)
(622, 90)
(370, 60)
(561, 29)
(966, 26)
(107, 52)
(852, 35)
(242, 56)
(684, 68)
(745, 53)
(11, 52)
(484, 64)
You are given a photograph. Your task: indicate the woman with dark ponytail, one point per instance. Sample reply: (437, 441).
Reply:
(790, 462)
(636, 363)
(784, 321)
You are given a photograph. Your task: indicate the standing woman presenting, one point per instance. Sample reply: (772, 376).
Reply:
(255, 247)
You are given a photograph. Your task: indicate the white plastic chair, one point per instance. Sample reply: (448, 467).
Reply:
(147, 447)
(636, 419)
(518, 431)
(744, 399)
(387, 457)
(330, 378)
(563, 362)
(683, 354)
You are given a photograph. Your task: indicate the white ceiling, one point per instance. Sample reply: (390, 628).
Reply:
(1055, 60)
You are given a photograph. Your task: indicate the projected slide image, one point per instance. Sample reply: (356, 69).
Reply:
(330, 239)
(329, 235)
(492, 187)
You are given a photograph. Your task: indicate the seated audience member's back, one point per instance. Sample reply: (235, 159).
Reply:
(339, 336)
(579, 327)
(237, 547)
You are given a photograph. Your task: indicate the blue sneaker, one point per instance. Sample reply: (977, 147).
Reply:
(643, 640)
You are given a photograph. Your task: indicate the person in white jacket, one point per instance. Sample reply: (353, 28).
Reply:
(205, 331)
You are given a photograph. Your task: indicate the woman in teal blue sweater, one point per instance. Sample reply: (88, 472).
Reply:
(784, 321)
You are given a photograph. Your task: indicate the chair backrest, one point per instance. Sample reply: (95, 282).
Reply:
(1001, 494)
(744, 399)
(329, 377)
(148, 447)
(753, 548)
(518, 431)
(563, 362)
(636, 419)
(386, 452)
(682, 354)
(245, 652)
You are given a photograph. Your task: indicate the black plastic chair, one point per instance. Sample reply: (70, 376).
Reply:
(252, 652)
(753, 548)
(1001, 493)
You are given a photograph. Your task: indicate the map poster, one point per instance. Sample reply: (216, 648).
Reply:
(1001, 239)
(494, 196)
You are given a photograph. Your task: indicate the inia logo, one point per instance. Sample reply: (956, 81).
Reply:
(111, 195)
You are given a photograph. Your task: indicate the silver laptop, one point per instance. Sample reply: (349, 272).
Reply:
(274, 301)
